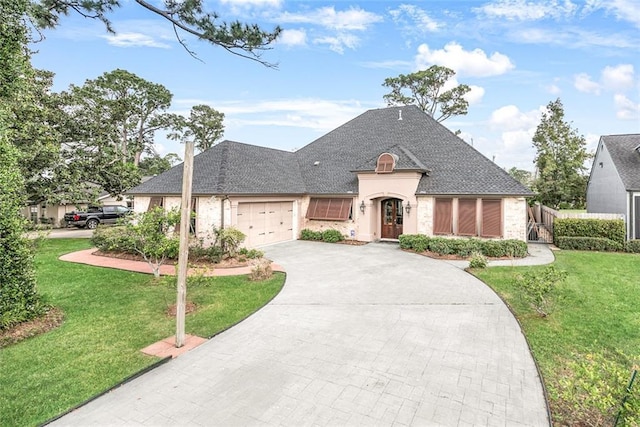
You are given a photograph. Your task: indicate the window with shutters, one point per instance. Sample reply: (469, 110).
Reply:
(491, 218)
(467, 223)
(443, 217)
(386, 163)
(155, 202)
(336, 209)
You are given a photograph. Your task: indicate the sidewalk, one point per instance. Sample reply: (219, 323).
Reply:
(539, 254)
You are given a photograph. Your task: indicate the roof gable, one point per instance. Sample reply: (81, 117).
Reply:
(624, 153)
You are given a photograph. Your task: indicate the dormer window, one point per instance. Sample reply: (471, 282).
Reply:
(386, 163)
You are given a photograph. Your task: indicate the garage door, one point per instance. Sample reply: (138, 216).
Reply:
(265, 223)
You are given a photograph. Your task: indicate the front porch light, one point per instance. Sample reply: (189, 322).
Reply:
(362, 207)
(408, 207)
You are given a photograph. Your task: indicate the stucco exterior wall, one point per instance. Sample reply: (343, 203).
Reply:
(605, 192)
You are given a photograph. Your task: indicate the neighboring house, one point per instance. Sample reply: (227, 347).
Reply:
(388, 171)
(42, 213)
(614, 182)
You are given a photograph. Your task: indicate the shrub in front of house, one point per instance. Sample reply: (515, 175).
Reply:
(477, 260)
(632, 246)
(463, 247)
(332, 236)
(589, 244)
(113, 239)
(612, 229)
(307, 234)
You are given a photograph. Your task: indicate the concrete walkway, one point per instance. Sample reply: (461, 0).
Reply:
(360, 335)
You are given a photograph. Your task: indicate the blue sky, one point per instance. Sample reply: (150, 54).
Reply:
(334, 56)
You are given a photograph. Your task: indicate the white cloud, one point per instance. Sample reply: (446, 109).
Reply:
(626, 109)
(620, 77)
(311, 113)
(474, 63)
(293, 37)
(510, 118)
(624, 10)
(522, 10)
(132, 39)
(583, 83)
(553, 89)
(414, 19)
(475, 95)
(354, 19)
(339, 42)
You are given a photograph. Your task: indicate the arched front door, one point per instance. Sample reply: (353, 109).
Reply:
(391, 218)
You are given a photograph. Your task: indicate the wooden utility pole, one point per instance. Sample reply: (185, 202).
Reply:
(183, 258)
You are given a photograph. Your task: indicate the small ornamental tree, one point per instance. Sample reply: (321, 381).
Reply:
(149, 233)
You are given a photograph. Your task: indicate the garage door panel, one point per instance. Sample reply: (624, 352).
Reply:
(265, 223)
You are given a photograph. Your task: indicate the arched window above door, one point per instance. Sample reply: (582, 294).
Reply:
(386, 163)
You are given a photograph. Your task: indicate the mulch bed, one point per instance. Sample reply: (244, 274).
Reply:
(453, 257)
(50, 320)
(225, 263)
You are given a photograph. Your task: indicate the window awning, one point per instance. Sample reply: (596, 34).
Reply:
(336, 209)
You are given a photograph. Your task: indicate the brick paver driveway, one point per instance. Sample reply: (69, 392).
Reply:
(360, 335)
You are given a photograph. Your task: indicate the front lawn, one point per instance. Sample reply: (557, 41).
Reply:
(590, 343)
(109, 315)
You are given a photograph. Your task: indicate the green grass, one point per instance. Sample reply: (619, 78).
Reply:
(109, 316)
(595, 311)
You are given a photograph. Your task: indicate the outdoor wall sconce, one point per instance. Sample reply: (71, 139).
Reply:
(408, 207)
(362, 207)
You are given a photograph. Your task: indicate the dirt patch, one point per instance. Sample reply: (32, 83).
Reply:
(51, 320)
(172, 310)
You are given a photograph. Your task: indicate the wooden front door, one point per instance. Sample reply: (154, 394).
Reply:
(391, 218)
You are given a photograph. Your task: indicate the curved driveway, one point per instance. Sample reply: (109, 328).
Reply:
(359, 335)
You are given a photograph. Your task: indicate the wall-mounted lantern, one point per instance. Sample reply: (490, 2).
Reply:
(408, 207)
(362, 207)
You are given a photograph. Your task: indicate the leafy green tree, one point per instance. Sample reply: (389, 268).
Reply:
(19, 300)
(155, 164)
(149, 234)
(560, 161)
(426, 89)
(186, 17)
(523, 176)
(204, 126)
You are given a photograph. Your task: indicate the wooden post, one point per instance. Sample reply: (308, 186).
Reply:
(183, 258)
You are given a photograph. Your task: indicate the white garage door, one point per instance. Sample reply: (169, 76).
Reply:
(265, 223)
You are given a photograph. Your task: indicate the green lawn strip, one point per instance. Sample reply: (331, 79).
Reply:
(595, 311)
(109, 316)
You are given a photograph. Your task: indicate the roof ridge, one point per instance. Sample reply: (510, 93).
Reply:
(222, 174)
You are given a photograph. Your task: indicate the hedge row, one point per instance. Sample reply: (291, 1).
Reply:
(611, 229)
(589, 244)
(329, 235)
(464, 247)
(632, 246)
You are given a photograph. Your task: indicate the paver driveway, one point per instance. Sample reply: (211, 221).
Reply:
(359, 335)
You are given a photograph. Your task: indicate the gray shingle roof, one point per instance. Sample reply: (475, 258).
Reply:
(456, 167)
(233, 168)
(624, 153)
(327, 165)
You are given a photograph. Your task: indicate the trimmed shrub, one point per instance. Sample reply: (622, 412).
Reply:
(251, 253)
(632, 246)
(589, 244)
(612, 229)
(464, 247)
(229, 239)
(307, 234)
(113, 239)
(478, 260)
(332, 236)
